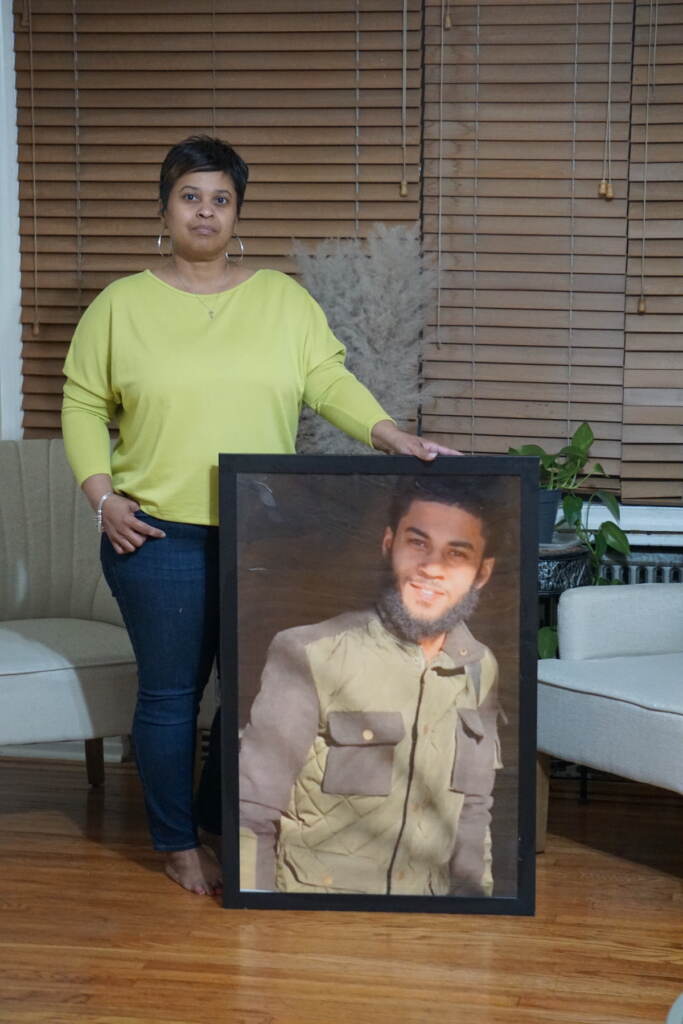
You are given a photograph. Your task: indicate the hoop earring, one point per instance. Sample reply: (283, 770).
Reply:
(238, 259)
(160, 241)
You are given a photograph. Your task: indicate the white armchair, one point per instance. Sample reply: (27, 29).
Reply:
(67, 670)
(613, 700)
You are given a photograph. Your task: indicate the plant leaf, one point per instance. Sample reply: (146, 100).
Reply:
(547, 642)
(610, 503)
(597, 468)
(615, 537)
(529, 449)
(583, 437)
(600, 543)
(572, 505)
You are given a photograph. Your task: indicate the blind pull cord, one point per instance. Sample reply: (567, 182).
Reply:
(403, 189)
(649, 90)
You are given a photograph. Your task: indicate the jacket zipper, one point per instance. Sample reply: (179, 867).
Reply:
(411, 771)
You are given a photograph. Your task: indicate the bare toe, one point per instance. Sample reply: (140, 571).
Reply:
(196, 870)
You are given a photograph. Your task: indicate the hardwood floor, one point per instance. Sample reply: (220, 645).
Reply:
(92, 932)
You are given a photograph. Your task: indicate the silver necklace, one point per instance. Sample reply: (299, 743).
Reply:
(209, 310)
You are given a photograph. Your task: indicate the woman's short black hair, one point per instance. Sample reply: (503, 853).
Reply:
(202, 153)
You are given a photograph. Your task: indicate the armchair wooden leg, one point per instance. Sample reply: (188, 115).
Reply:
(94, 761)
(542, 793)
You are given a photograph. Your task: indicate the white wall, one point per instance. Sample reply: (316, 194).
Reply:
(10, 294)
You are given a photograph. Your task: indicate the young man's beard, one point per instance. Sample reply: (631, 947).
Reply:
(398, 619)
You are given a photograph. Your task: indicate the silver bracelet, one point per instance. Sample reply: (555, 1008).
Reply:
(98, 513)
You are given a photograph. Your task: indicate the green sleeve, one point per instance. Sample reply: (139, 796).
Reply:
(330, 389)
(89, 401)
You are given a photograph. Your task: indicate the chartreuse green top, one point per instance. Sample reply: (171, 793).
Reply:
(186, 377)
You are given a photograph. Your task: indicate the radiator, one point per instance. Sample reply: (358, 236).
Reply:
(644, 567)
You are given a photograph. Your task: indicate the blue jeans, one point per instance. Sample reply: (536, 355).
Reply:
(167, 591)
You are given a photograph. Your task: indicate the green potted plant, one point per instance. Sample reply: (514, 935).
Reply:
(560, 471)
(564, 471)
(596, 540)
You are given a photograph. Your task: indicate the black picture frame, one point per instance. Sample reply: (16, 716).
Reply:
(345, 479)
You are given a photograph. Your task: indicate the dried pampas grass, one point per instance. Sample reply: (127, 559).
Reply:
(376, 294)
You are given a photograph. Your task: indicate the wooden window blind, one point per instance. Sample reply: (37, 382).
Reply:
(322, 97)
(530, 321)
(652, 469)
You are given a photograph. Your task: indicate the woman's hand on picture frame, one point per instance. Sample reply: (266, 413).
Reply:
(389, 438)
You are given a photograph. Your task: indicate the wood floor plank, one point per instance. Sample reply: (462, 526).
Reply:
(91, 931)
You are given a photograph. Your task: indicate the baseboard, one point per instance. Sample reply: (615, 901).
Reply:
(614, 789)
(116, 750)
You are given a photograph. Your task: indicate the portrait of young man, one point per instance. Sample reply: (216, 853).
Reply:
(369, 758)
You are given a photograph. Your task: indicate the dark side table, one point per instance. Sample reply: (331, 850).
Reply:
(561, 565)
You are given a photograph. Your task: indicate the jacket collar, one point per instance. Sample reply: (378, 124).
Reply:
(460, 647)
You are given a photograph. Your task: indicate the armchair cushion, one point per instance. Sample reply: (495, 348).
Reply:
(614, 622)
(64, 679)
(650, 681)
(620, 715)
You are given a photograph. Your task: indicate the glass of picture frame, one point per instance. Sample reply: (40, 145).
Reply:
(378, 621)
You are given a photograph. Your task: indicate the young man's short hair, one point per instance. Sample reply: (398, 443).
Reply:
(471, 494)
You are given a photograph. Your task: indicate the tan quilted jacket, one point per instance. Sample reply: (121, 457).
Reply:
(365, 769)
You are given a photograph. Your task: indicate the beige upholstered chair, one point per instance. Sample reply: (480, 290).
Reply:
(67, 670)
(613, 700)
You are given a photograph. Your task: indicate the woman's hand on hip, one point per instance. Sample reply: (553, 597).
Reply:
(125, 532)
(387, 437)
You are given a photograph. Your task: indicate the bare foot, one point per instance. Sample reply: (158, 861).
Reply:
(196, 870)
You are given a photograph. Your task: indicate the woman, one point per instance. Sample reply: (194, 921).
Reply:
(195, 357)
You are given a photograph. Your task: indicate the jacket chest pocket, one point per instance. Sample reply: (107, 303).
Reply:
(476, 751)
(360, 757)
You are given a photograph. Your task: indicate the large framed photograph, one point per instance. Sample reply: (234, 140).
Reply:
(377, 669)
